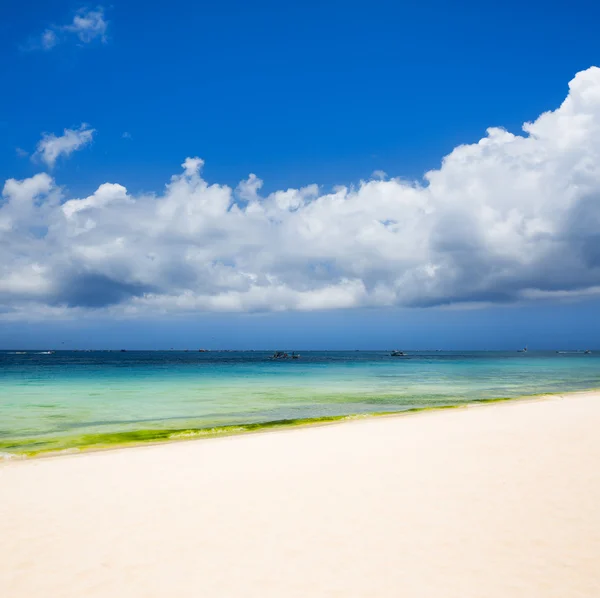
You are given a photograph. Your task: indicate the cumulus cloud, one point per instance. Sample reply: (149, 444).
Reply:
(508, 218)
(87, 26)
(51, 147)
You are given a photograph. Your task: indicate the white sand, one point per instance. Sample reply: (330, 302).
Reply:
(500, 501)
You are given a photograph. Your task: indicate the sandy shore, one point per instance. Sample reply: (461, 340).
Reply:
(495, 501)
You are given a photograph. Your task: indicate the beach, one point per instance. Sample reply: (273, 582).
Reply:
(495, 500)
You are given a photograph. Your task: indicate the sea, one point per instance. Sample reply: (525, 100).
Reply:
(73, 400)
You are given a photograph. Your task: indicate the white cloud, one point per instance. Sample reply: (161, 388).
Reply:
(105, 194)
(49, 39)
(51, 147)
(248, 189)
(87, 26)
(509, 218)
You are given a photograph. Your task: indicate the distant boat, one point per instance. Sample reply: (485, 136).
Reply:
(284, 355)
(524, 350)
(587, 352)
(398, 354)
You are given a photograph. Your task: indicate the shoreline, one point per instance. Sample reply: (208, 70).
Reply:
(463, 503)
(157, 437)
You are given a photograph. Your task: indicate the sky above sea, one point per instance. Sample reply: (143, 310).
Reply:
(321, 174)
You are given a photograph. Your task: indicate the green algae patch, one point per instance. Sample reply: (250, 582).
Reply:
(106, 440)
(54, 446)
(500, 399)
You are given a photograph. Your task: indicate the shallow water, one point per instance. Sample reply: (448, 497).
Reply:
(74, 399)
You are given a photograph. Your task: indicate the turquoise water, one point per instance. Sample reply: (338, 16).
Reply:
(75, 399)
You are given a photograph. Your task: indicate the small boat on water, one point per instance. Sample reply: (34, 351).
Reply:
(523, 350)
(284, 355)
(398, 354)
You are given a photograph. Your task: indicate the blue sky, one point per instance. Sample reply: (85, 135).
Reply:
(299, 93)
(312, 93)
